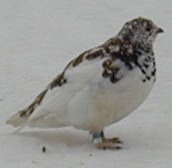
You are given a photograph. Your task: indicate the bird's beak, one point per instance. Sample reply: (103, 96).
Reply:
(160, 30)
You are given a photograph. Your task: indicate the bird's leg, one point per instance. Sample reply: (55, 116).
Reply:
(105, 143)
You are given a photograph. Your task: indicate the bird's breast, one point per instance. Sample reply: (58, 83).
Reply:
(115, 101)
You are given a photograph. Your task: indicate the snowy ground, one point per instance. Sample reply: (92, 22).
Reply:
(37, 38)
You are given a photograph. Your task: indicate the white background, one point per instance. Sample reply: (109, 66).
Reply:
(37, 39)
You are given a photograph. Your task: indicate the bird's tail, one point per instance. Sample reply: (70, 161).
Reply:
(19, 119)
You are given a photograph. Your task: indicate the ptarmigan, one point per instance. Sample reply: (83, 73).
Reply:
(99, 87)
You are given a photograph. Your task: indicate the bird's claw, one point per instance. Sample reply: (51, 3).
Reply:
(115, 140)
(110, 143)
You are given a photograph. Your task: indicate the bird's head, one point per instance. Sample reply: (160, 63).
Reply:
(139, 30)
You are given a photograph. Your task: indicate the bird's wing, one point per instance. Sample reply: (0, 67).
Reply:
(85, 60)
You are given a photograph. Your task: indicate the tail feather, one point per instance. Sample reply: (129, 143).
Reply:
(18, 119)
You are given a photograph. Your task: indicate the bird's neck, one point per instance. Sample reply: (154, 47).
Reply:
(131, 52)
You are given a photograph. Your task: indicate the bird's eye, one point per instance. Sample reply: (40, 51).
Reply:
(148, 29)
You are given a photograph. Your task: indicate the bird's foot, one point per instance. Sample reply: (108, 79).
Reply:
(113, 140)
(106, 143)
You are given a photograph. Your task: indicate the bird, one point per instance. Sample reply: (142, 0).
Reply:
(99, 87)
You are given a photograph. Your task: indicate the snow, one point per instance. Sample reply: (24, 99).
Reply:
(37, 39)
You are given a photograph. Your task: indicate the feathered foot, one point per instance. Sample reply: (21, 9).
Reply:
(106, 143)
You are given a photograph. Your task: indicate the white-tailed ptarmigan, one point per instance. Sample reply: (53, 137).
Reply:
(99, 87)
